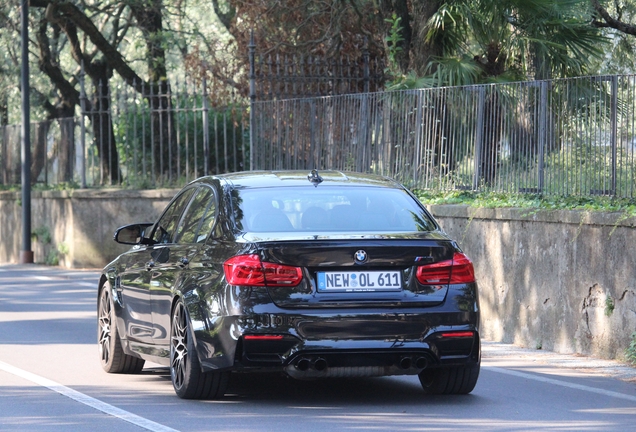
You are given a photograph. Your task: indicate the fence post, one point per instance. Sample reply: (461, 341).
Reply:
(152, 135)
(252, 50)
(479, 136)
(614, 125)
(543, 119)
(313, 158)
(365, 57)
(419, 125)
(83, 127)
(206, 129)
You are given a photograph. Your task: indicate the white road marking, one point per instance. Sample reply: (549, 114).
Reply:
(87, 400)
(560, 383)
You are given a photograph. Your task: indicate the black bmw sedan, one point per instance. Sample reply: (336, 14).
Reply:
(321, 274)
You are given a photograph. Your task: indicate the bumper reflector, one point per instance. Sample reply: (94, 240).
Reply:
(263, 337)
(466, 334)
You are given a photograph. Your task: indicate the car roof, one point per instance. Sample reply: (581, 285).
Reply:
(263, 179)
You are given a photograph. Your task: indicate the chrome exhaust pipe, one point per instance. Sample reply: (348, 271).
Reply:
(302, 364)
(405, 362)
(320, 364)
(421, 363)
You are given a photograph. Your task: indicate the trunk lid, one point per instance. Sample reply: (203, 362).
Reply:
(359, 272)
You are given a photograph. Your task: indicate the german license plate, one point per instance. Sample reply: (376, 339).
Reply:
(360, 281)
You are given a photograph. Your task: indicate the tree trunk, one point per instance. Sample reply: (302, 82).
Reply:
(422, 52)
(103, 132)
(66, 155)
(164, 146)
(38, 159)
(4, 109)
(150, 19)
(401, 10)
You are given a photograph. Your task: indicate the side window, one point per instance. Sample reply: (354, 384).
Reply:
(195, 225)
(207, 223)
(166, 226)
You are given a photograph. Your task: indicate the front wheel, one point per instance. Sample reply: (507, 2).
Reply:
(450, 379)
(111, 353)
(188, 380)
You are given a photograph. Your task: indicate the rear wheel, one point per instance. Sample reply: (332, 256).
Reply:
(450, 380)
(111, 353)
(189, 381)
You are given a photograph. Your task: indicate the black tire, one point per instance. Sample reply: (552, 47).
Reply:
(111, 353)
(188, 380)
(450, 380)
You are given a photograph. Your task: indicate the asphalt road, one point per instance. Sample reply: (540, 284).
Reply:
(51, 379)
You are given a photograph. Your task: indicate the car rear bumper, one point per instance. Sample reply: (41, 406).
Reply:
(340, 343)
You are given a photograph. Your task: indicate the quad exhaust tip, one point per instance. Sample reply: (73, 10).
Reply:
(320, 364)
(303, 364)
(408, 362)
(421, 363)
(405, 363)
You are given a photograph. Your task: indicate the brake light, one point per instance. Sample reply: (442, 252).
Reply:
(462, 271)
(244, 270)
(279, 275)
(454, 271)
(249, 270)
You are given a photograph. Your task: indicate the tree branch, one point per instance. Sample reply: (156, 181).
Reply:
(63, 9)
(225, 18)
(610, 21)
(47, 66)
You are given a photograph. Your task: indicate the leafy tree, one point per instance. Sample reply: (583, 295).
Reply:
(69, 36)
(491, 41)
(416, 49)
(332, 29)
(617, 19)
(486, 41)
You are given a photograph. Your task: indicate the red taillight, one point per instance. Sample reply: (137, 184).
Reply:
(279, 275)
(456, 271)
(435, 274)
(248, 270)
(463, 271)
(244, 270)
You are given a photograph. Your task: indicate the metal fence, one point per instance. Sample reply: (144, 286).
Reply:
(561, 137)
(283, 77)
(564, 137)
(54, 152)
(132, 138)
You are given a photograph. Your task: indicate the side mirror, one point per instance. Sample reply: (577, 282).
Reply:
(132, 234)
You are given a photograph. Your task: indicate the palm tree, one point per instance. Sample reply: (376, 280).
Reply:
(494, 41)
(504, 40)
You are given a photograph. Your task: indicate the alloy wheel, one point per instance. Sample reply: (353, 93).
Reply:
(179, 346)
(104, 325)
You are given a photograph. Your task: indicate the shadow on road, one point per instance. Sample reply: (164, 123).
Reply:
(278, 388)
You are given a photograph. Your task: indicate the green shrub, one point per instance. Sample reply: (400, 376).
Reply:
(630, 352)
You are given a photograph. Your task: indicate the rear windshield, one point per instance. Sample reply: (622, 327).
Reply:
(329, 209)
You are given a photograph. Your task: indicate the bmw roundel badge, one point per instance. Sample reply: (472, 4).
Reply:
(360, 257)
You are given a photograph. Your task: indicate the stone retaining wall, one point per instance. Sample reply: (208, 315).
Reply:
(80, 223)
(562, 280)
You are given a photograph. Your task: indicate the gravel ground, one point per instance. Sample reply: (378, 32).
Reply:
(573, 362)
